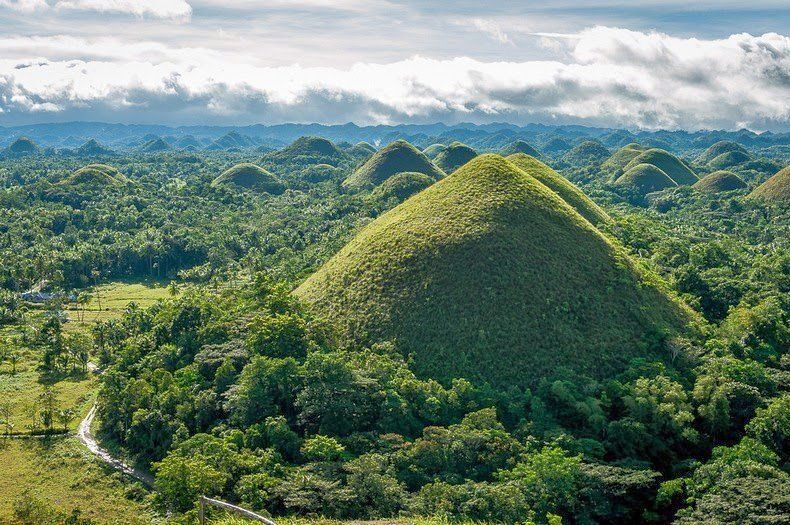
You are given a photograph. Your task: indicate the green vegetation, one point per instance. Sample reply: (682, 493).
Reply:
(589, 151)
(415, 276)
(401, 186)
(398, 157)
(615, 165)
(250, 177)
(561, 186)
(729, 159)
(719, 148)
(719, 181)
(156, 145)
(673, 167)
(308, 150)
(454, 156)
(433, 150)
(775, 190)
(23, 146)
(92, 148)
(520, 146)
(94, 175)
(644, 178)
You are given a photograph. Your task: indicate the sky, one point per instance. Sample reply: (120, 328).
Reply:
(638, 64)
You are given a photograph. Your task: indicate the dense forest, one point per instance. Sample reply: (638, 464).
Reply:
(321, 354)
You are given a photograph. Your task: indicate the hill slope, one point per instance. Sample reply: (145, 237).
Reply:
(587, 152)
(309, 150)
(398, 157)
(154, 146)
(251, 177)
(645, 178)
(719, 181)
(775, 190)
(489, 275)
(454, 156)
(615, 165)
(23, 146)
(93, 148)
(562, 187)
(401, 186)
(723, 146)
(94, 176)
(520, 146)
(729, 159)
(666, 162)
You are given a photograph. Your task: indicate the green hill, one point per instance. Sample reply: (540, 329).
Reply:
(309, 150)
(360, 151)
(454, 156)
(23, 146)
(615, 165)
(719, 181)
(398, 157)
(645, 178)
(775, 190)
(155, 146)
(587, 152)
(723, 146)
(729, 159)
(321, 172)
(92, 148)
(401, 186)
(562, 187)
(675, 168)
(433, 150)
(556, 146)
(520, 146)
(250, 177)
(94, 176)
(489, 275)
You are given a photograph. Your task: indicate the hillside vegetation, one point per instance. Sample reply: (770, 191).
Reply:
(251, 177)
(615, 165)
(520, 146)
(719, 181)
(489, 275)
(775, 190)
(454, 156)
(398, 157)
(401, 186)
(719, 148)
(666, 162)
(645, 178)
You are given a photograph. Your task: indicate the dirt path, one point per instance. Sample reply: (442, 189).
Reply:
(84, 435)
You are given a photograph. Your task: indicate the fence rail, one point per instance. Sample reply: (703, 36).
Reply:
(233, 508)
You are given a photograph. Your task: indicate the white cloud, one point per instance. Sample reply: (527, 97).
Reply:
(609, 76)
(172, 9)
(489, 27)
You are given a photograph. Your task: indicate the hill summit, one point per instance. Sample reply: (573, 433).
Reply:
(719, 181)
(520, 146)
(719, 148)
(454, 156)
(23, 146)
(155, 145)
(645, 178)
(398, 157)
(775, 190)
(309, 150)
(587, 152)
(489, 275)
(615, 165)
(94, 176)
(672, 166)
(93, 148)
(251, 177)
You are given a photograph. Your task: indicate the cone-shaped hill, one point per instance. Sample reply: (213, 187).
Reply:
(587, 152)
(309, 150)
(94, 176)
(250, 177)
(155, 146)
(572, 195)
(719, 181)
(401, 186)
(23, 146)
(666, 162)
(729, 159)
(520, 146)
(615, 165)
(361, 151)
(93, 148)
(454, 156)
(723, 146)
(556, 146)
(645, 178)
(488, 275)
(433, 150)
(398, 157)
(775, 190)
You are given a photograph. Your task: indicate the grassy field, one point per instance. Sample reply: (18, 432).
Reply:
(108, 301)
(61, 473)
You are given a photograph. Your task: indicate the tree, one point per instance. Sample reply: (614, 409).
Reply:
(65, 417)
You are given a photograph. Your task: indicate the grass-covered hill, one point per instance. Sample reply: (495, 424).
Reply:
(309, 150)
(561, 186)
(556, 146)
(360, 151)
(644, 178)
(775, 190)
(454, 156)
(520, 146)
(587, 152)
(398, 157)
(155, 146)
(675, 168)
(615, 165)
(719, 148)
(250, 177)
(231, 140)
(401, 186)
(433, 150)
(23, 146)
(93, 148)
(488, 274)
(94, 176)
(719, 181)
(729, 159)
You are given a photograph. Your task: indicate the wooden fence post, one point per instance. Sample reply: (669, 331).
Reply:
(202, 511)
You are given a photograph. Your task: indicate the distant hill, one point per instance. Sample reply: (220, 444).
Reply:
(587, 152)
(615, 165)
(645, 178)
(489, 275)
(433, 150)
(361, 151)
(155, 146)
(401, 186)
(572, 195)
(92, 148)
(676, 169)
(188, 141)
(775, 190)
(93, 176)
(722, 146)
(309, 150)
(398, 157)
(23, 146)
(719, 181)
(520, 146)
(250, 177)
(729, 159)
(454, 156)
(556, 146)
(231, 140)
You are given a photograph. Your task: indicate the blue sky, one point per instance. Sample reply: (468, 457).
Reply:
(635, 64)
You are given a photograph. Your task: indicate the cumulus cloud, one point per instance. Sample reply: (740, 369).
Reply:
(607, 76)
(173, 9)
